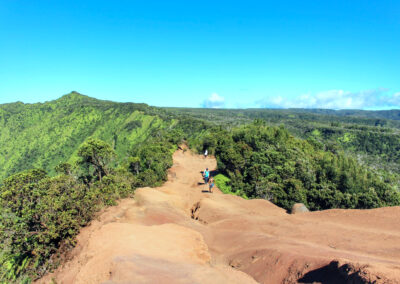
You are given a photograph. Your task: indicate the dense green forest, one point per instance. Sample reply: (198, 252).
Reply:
(63, 160)
(43, 135)
(267, 162)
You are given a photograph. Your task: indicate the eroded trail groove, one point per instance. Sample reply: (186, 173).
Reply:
(178, 233)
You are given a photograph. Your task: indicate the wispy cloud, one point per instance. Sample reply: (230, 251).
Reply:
(214, 101)
(337, 99)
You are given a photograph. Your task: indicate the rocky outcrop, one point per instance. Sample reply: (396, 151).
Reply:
(299, 208)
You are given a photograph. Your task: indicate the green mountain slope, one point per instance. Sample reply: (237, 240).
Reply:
(44, 134)
(321, 159)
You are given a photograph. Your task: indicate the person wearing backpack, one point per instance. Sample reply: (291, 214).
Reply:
(206, 175)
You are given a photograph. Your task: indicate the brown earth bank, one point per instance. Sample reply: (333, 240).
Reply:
(180, 233)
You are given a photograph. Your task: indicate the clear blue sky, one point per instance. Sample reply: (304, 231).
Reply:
(341, 54)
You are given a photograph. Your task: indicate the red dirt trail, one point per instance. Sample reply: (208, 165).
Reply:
(178, 233)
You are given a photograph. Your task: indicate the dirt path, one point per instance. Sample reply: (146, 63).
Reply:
(178, 233)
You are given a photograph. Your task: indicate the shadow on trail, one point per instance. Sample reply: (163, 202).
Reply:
(331, 274)
(212, 173)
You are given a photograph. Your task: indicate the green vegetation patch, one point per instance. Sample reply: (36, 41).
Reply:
(224, 184)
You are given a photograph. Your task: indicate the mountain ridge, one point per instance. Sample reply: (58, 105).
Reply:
(21, 123)
(79, 97)
(43, 134)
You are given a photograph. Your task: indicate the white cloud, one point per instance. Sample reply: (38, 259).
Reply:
(337, 99)
(214, 101)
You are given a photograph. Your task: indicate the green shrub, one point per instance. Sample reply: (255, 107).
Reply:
(223, 183)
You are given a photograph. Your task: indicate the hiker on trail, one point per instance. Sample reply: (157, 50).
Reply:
(206, 175)
(205, 153)
(211, 185)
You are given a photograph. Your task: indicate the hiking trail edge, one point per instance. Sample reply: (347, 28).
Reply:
(180, 233)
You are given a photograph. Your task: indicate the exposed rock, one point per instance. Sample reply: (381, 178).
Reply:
(299, 208)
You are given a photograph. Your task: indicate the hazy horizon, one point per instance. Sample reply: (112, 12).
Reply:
(336, 55)
(200, 107)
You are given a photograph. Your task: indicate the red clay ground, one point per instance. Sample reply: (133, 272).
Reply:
(178, 233)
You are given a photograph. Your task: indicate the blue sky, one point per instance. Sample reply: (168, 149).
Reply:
(328, 54)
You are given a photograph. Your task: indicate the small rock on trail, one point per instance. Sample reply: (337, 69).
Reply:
(299, 208)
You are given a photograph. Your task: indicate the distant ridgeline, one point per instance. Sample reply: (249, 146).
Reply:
(372, 137)
(43, 135)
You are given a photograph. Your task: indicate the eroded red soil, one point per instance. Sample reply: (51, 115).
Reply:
(178, 233)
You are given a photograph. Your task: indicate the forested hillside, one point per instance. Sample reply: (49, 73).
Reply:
(63, 160)
(267, 162)
(45, 134)
(72, 157)
(368, 136)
